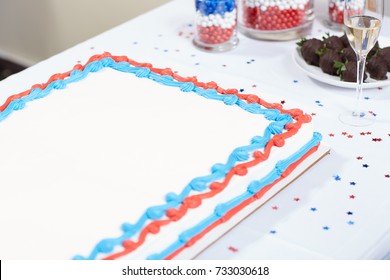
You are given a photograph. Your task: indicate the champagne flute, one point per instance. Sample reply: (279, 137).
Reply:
(362, 22)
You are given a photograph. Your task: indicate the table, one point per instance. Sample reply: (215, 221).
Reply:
(339, 208)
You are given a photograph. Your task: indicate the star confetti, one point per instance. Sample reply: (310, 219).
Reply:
(326, 228)
(275, 207)
(313, 209)
(297, 199)
(376, 139)
(365, 165)
(359, 158)
(352, 183)
(351, 223)
(232, 249)
(331, 135)
(349, 213)
(337, 177)
(352, 196)
(272, 231)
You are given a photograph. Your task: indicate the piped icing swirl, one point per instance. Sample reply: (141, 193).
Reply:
(210, 185)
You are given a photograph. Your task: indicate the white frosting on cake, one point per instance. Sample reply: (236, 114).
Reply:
(82, 161)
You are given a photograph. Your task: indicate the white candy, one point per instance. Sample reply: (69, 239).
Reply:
(281, 4)
(228, 20)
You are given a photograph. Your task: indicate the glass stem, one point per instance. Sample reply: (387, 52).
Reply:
(361, 63)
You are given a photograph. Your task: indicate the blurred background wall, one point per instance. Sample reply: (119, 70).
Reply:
(34, 30)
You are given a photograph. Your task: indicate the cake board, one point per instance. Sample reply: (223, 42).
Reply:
(72, 120)
(214, 235)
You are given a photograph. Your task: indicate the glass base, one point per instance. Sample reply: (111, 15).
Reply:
(357, 119)
(278, 35)
(333, 25)
(223, 47)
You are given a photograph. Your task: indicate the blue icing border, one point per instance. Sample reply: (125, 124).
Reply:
(198, 184)
(253, 188)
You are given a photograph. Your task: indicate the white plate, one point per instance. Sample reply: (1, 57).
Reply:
(317, 74)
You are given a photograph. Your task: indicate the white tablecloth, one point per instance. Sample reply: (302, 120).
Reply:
(340, 208)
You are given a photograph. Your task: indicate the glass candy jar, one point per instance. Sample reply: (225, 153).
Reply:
(216, 22)
(275, 19)
(336, 13)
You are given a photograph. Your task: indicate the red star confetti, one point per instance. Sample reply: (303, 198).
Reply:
(368, 133)
(372, 113)
(275, 207)
(377, 139)
(350, 136)
(282, 102)
(359, 158)
(352, 196)
(362, 133)
(331, 135)
(313, 114)
(254, 86)
(344, 133)
(297, 199)
(234, 250)
(387, 175)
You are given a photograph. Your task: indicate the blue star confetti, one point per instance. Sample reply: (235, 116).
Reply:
(337, 178)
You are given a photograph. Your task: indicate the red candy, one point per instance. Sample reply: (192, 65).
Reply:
(214, 35)
(336, 15)
(273, 18)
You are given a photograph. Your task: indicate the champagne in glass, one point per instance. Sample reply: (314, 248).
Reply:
(362, 33)
(362, 21)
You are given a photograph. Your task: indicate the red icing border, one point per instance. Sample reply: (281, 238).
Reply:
(238, 208)
(216, 187)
